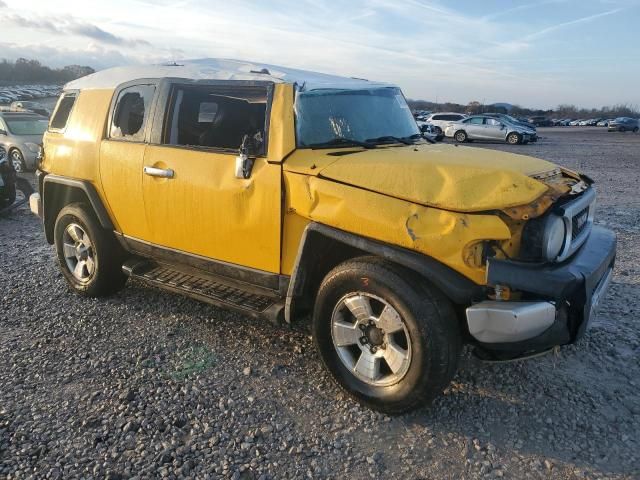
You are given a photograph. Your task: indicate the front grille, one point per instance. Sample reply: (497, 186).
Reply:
(578, 219)
(579, 222)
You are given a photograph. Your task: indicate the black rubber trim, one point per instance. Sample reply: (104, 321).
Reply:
(271, 281)
(454, 285)
(87, 188)
(559, 281)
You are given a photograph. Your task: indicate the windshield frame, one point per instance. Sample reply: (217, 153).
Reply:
(357, 143)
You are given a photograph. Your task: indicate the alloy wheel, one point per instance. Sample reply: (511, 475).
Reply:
(17, 161)
(78, 251)
(371, 339)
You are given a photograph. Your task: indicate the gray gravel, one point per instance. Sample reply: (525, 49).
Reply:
(147, 384)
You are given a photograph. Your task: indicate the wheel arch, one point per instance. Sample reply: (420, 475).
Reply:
(59, 191)
(323, 247)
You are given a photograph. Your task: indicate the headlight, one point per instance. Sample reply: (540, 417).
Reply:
(543, 238)
(554, 237)
(33, 147)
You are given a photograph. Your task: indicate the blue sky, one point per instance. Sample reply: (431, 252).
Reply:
(533, 53)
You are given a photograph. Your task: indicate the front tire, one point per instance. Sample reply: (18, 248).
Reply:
(635, 130)
(17, 160)
(390, 340)
(460, 136)
(89, 256)
(514, 138)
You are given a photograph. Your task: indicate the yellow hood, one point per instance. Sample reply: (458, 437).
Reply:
(462, 179)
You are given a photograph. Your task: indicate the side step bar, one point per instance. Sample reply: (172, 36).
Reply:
(203, 286)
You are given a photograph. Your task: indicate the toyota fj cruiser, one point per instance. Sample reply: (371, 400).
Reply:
(281, 193)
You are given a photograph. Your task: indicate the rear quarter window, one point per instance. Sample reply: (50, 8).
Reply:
(63, 111)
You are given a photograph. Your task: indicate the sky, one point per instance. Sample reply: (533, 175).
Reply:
(532, 53)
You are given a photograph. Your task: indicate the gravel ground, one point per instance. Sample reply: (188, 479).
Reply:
(147, 384)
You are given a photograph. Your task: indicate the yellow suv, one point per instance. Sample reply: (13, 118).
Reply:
(282, 193)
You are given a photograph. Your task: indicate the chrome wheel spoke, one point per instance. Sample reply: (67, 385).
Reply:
(74, 232)
(389, 320)
(78, 271)
(359, 306)
(368, 366)
(90, 264)
(69, 250)
(395, 357)
(345, 334)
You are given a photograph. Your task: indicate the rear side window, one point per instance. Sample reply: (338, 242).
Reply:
(491, 121)
(131, 112)
(454, 117)
(61, 116)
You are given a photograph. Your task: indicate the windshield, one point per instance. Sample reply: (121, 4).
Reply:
(365, 117)
(27, 126)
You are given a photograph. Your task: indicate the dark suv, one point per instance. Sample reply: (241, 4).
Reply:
(624, 124)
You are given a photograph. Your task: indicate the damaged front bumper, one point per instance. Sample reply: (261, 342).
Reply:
(558, 300)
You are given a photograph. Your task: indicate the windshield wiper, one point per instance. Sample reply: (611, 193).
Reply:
(342, 141)
(391, 138)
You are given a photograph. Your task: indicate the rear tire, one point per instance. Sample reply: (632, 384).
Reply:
(410, 351)
(89, 256)
(635, 130)
(460, 136)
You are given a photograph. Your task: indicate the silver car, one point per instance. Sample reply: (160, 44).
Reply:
(21, 136)
(479, 127)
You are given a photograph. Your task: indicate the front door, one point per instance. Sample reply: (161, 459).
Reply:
(193, 201)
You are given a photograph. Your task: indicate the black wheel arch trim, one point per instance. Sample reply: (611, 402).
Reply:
(83, 185)
(458, 288)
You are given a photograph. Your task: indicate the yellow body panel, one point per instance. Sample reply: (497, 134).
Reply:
(438, 233)
(75, 152)
(121, 177)
(207, 211)
(444, 176)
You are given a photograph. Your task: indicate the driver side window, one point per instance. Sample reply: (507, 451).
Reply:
(217, 117)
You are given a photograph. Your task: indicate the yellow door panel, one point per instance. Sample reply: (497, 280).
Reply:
(121, 175)
(205, 210)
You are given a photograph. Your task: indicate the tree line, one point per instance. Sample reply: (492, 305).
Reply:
(32, 71)
(561, 111)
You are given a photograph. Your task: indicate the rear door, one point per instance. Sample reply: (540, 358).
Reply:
(122, 155)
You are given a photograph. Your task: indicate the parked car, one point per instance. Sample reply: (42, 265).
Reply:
(540, 121)
(441, 119)
(27, 106)
(575, 123)
(480, 127)
(400, 250)
(510, 119)
(21, 135)
(605, 122)
(624, 124)
(431, 132)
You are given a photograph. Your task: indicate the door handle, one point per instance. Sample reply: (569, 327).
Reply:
(158, 172)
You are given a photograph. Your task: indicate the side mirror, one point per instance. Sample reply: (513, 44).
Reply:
(3, 132)
(244, 164)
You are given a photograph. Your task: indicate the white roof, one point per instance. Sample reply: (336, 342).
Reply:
(219, 69)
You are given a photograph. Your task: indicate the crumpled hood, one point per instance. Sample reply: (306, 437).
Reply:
(450, 177)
